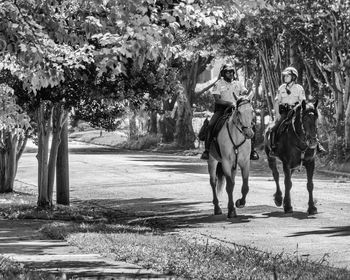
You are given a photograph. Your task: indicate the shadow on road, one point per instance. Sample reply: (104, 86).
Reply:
(296, 214)
(166, 214)
(330, 231)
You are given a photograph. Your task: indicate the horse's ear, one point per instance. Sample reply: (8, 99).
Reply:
(316, 103)
(251, 95)
(303, 104)
(235, 96)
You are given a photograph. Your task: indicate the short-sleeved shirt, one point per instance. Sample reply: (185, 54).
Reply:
(297, 94)
(226, 90)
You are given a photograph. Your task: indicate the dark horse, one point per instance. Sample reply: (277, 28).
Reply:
(296, 146)
(230, 150)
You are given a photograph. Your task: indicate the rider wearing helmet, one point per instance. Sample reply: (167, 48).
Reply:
(289, 94)
(223, 89)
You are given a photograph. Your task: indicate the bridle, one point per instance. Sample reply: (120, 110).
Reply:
(304, 141)
(238, 124)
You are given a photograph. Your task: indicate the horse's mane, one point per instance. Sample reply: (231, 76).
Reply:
(309, 107)
(242, 99)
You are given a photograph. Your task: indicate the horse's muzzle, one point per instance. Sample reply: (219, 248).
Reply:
(248, 132)
(311, 142)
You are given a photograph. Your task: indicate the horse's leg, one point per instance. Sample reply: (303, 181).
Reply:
(310, 167)
(240, 203)
(213, 179)
(288, 186)
(276, 176)
(230, 183)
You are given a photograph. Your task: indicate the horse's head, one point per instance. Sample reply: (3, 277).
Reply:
(244, 116)
(307, 120)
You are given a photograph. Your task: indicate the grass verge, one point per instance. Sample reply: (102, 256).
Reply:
(10, 270)
(188, 257)
(101, 231)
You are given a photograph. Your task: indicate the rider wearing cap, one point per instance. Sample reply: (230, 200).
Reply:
(289, 94)
(223, 89)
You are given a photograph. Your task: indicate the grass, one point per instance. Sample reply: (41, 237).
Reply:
(10, 270)
(117, 139)
(113, 139)
(189, 257)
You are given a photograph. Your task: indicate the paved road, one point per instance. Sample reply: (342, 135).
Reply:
(173, 191)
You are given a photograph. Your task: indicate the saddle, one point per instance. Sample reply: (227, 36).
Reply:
(219, 124)
(221, 121)
(204, 130)
(283, 126)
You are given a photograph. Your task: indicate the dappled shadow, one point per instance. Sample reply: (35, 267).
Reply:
(296, 215)
(163, 213)
(99, 150)
(330, 231)
(167, 214)
(94, 268)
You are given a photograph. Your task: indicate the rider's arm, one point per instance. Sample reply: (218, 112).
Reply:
(211, 84)
(277, 104)
(302, 94)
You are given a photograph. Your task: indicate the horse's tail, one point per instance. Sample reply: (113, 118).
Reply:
(220, 177)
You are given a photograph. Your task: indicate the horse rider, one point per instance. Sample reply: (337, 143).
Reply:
(223, 89)
(289, 94)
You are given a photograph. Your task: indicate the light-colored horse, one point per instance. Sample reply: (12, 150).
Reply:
(234, 146)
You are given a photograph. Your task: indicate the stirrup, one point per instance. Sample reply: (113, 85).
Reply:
(205, 155)
(273, 152)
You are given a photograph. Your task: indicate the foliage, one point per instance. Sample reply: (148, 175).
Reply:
(10, 270)
(12, 116)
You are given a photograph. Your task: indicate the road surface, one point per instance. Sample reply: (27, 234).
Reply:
(173, 191)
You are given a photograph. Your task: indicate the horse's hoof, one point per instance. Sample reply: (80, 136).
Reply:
(231, 214)
(278, 200)
(288, 210)
(312, 210)
(239, 203)
(217, 211)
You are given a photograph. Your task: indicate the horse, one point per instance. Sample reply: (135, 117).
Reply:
(296, 146)
(230, 149)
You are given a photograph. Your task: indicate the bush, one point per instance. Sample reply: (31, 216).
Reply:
(142, 143)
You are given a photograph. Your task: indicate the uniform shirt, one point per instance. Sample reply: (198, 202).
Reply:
(226, 89)
(297, 94)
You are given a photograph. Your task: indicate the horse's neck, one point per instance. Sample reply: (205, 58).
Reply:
(296, 124)
(235, 130)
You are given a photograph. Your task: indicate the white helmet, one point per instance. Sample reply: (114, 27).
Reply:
(290, 70)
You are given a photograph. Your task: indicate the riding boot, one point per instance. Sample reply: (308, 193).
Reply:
(272, 144)
(205, 154)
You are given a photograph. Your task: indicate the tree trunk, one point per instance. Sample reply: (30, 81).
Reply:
(50, 119)
(12, 145)
(62, 169)
(153, 122)
(8, 163)
(44, 114)
(133, 127)
(184, 135)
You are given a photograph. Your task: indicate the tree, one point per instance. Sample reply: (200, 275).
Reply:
(44, 41)
(14, 127)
